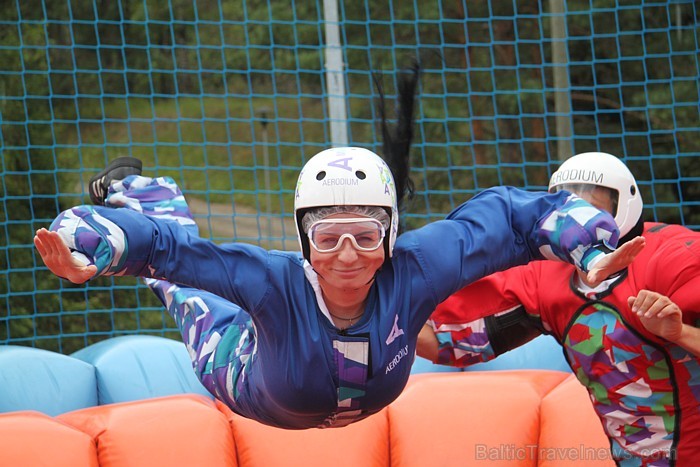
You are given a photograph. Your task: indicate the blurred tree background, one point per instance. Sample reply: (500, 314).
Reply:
(230, 98)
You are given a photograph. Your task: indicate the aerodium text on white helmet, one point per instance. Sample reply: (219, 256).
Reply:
(345, 176)
(602, 169)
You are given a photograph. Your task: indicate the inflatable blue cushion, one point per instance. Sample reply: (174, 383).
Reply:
(132, 368)
(423, 365)
(49, 382)
(541, 353)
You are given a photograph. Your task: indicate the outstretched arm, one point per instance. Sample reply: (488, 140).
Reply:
(663, 317)
(505, 227)
(481, 340)
(483, 320)
(95, 241)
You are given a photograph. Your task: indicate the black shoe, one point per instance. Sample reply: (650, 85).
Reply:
(118, 169)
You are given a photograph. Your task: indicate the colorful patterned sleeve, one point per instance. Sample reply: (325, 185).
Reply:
(577, 233)
(93, 238)
(96, 239)
(486, 319)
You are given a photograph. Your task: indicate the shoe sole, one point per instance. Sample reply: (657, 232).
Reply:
(96, 186)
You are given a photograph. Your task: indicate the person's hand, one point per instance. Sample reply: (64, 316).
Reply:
(615, 261)
(658, 314)
(58, 258)
(427, 345)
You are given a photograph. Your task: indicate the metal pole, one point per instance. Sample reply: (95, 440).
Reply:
(266, 163)
(562, 86)
(335, 79)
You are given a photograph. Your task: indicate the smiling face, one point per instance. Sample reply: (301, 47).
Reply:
(347, 269)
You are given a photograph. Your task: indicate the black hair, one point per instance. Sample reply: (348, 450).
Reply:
(397, 138)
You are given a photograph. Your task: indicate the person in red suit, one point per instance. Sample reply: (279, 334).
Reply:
(633, 341)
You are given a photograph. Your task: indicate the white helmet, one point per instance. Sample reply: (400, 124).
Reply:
(602, 169)
(345, 176)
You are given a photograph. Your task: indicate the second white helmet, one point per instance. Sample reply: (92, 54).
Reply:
(602, 169)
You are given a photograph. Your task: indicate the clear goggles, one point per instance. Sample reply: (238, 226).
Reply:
(595, 194)
(327, 235)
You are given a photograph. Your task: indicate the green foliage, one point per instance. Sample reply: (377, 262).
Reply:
(206, 91)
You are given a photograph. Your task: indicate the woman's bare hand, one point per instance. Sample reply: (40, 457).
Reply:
(58, 258)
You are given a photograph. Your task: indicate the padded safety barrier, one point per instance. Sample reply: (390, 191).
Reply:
(473, 418)
(364, 443)
(34, 439)
(184, 430)
(422, 365)
(574, 436)
(45, 381)
(130, 368)
(446, 419)
(541, 353)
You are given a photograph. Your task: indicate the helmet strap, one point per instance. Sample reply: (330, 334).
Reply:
(636, 231)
